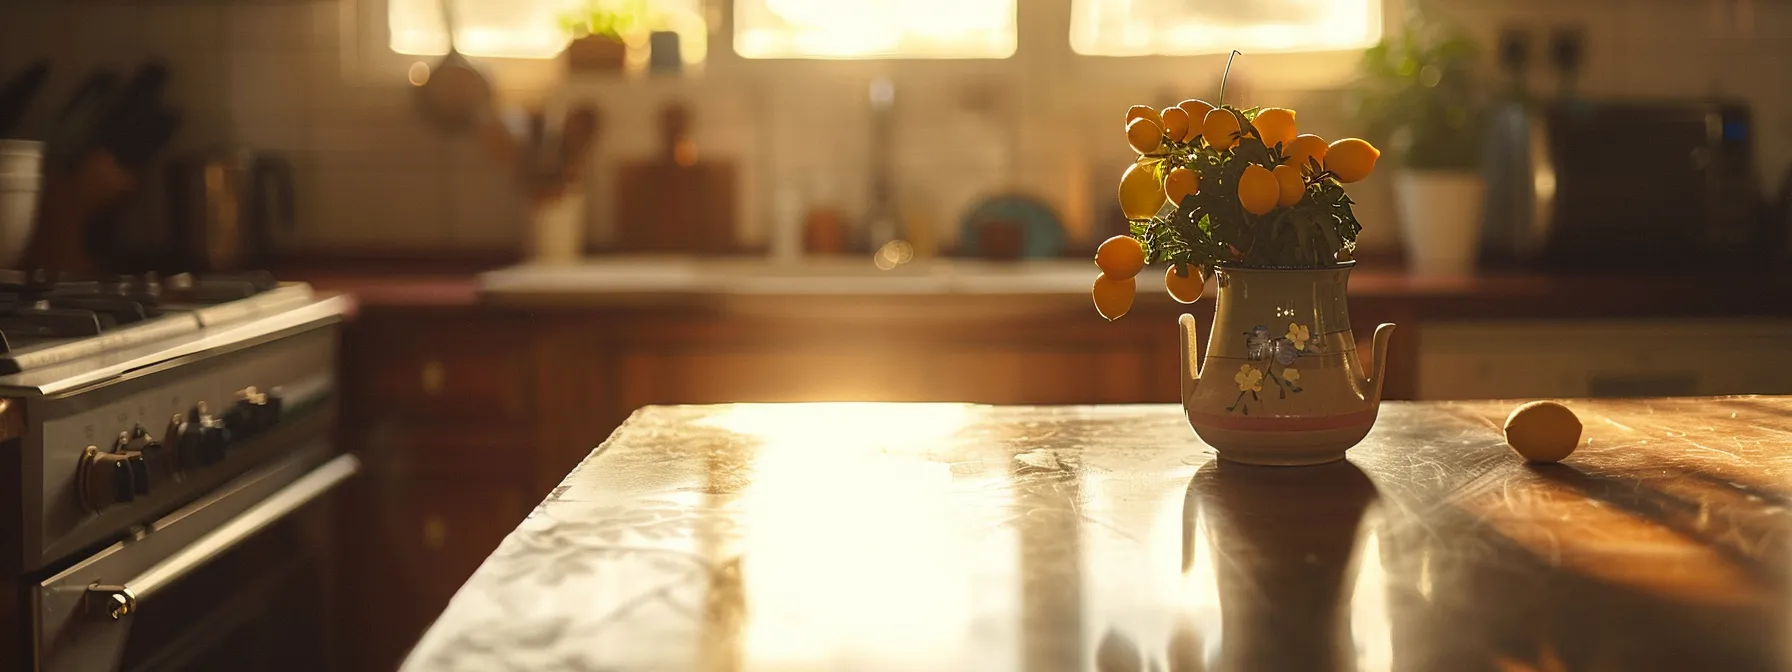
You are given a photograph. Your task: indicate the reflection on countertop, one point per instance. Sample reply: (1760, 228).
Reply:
(961, 537)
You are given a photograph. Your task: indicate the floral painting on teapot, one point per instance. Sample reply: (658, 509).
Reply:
(1271, 361)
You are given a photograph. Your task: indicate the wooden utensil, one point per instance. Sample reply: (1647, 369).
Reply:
(674, 202)
(455, 96)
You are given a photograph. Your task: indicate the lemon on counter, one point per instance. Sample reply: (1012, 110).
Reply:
(1543, 431)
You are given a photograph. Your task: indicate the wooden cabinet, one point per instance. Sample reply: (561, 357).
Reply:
(442, 368)
(439, 407)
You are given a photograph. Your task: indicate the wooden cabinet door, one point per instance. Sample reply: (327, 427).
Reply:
(415, 541)
(459, 368)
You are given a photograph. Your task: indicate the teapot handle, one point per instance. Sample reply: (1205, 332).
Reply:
(1191, 363)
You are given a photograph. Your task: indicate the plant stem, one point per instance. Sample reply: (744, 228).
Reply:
(1227, 74)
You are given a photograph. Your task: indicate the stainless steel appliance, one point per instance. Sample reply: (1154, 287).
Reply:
(1577, 183)
(227, 204)
(166, 446)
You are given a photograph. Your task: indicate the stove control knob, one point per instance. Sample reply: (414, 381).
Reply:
(213, 439)
(249, 415)
(275, 404)
(103, 479)
(150, 460)
(199, 437)
(241, 418)
(183, 441)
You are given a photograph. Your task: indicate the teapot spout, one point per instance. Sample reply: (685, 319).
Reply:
(1191, 363)
(1372, 383)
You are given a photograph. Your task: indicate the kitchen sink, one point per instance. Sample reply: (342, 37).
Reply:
(826, 276)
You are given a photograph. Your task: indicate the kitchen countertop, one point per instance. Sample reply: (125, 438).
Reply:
(953, 537)
(1055, 286)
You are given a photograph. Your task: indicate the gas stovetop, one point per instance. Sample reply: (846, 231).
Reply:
(48, 319)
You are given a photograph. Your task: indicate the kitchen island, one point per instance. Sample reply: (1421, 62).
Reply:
(469, 396)
(966, 537)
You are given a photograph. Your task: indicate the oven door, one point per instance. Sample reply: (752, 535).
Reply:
(237, 580)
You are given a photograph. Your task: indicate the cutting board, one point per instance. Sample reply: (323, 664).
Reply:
(675, 201)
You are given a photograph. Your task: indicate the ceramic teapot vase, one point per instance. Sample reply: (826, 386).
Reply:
(1282, 383)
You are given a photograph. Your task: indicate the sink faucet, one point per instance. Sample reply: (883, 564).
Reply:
(880, 218)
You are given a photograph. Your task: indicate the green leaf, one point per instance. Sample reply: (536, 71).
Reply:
(1252, 150)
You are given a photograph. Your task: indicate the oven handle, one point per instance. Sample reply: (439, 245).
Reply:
(118, 601)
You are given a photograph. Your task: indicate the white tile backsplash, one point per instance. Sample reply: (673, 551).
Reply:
(271, 26)
(263, 87)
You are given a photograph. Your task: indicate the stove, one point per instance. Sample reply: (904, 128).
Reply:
(160, 436)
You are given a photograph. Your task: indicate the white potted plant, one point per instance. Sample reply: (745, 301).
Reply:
(1419, 97)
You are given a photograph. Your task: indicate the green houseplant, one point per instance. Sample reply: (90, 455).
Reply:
(1420, 95)
(601, 31)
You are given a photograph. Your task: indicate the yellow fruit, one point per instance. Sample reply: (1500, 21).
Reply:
(1197, 114)
(1289, 185)
(1142, 112)
(1257, 190)
(1220, 128)
(1113, 297)
(1144, 135)
(1275, 125)
(1303, 148)
(1181, 183)
(1351, 159)
(1120, 257)
(1140, 195)
(1543, 431)
(1176, 123)
(1183, 290)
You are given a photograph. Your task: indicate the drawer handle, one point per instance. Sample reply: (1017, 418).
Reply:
(435, 377)
(116, 601)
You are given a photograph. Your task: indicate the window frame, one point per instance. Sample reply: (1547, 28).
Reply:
(1043, 49)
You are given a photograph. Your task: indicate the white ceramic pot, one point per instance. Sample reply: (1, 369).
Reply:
(1282, 383)
(558, 229)
(1440, 219)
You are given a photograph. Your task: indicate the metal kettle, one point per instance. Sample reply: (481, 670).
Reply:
(227, 203)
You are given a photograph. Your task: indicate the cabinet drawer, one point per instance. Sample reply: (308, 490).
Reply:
(416, 542)
(449, 450)
(468, 372)
(435, 534)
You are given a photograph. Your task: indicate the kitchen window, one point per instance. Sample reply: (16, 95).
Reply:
(1183, 28)
(533, 28)
(874, 28)
(903, 29)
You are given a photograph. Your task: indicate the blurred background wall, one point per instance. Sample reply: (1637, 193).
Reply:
(311, 78)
